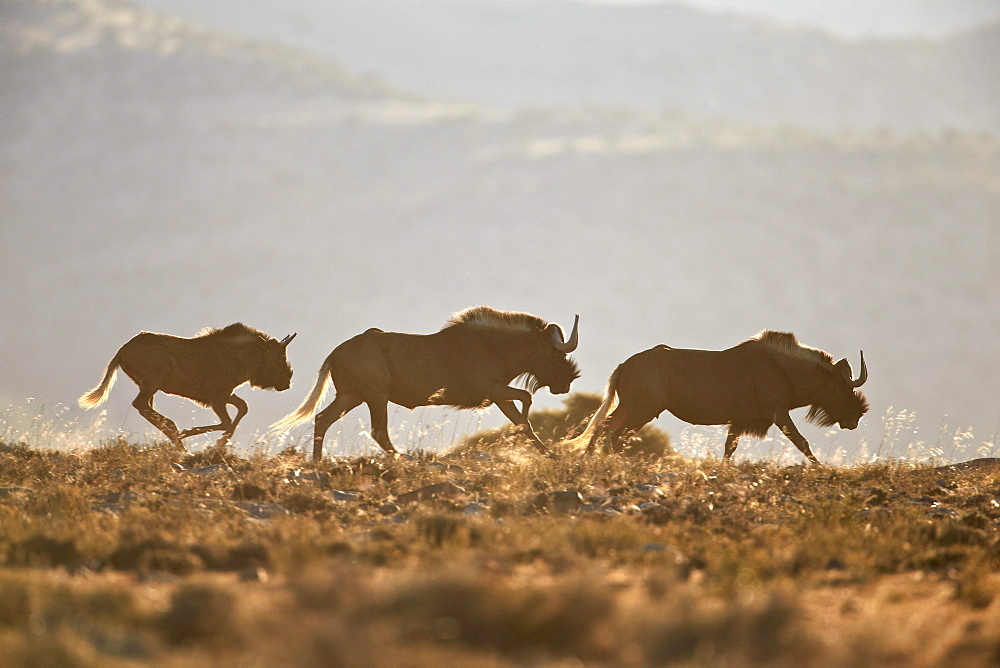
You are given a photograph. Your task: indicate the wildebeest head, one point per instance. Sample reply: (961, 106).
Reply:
(274, 371)
(838, 401)
(552, 367)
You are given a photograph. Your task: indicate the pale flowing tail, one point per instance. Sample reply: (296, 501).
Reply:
(308, 406)
(99, 394)
(596, 424)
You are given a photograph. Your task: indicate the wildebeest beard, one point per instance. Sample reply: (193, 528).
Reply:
(528, 381)
(821, 416)
(531, 383)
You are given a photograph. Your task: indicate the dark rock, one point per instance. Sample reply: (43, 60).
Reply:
(565, 500)
(943, 513)
(263, 510)
(319, 477)
(451, 468)
(656, 512)
(600, 508)
(388, 509)
(474, 509)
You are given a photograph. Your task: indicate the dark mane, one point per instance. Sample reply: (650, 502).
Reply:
(234, 332)
(785, 342)
(490, 318)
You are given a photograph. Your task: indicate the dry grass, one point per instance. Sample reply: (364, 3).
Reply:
(130, 554)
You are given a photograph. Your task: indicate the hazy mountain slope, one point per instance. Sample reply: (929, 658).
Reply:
(861, 19)
(655, 56)
(170, 190)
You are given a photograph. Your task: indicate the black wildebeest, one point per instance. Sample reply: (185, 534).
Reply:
(749, 387)
(469, 363)
(205, 369)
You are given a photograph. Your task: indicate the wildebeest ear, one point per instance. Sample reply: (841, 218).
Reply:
(827, 370)
(288, 339)
(843, 367)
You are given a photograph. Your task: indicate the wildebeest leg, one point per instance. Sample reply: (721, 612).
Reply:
(341, 405)
(784, 422)
(504, 398)
(732, 438)
(379, 411)
(225, 422)
(520, 419)
(241, 410)
(144, 404)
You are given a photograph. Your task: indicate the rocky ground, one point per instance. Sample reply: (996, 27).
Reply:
(130, 554)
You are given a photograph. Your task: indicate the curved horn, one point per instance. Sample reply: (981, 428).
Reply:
(288, 339)
(570, 345)
(864, 373)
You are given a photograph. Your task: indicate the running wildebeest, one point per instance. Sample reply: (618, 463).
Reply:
(469, 363)
(748, 387)
(205, 369)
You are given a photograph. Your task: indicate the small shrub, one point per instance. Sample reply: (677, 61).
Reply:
(516, 620)
(155, 554)
(554, 425)
(200, 613)
(43, 551)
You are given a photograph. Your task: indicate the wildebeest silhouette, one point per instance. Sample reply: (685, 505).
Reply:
(469, 363)
(205, 368)
(749, 387)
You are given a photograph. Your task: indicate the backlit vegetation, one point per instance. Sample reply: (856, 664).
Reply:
(131, 553)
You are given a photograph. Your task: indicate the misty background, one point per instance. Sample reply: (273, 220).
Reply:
(675, 173)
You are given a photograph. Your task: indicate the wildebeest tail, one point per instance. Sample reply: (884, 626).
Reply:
(99, 394)
(308, 406)
(597, 420)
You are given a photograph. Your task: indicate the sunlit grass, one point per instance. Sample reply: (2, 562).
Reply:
(436, 429)
(136, 551)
